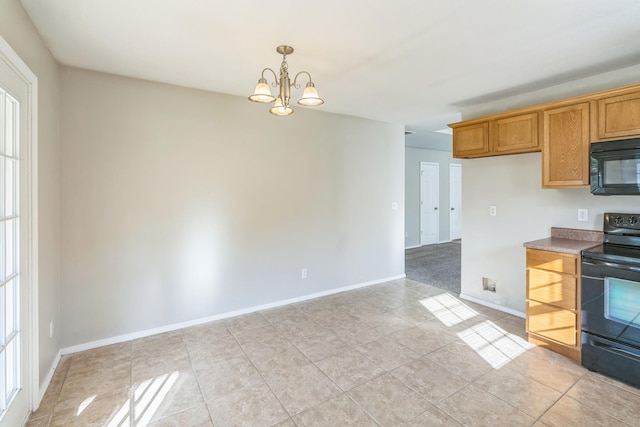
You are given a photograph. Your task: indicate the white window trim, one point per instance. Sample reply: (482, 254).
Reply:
(29, 159)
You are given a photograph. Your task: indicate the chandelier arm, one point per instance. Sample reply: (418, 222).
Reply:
(295, 79)
(275, 76)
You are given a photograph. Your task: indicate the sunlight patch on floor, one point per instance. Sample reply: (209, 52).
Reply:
(495, 345)
(448, 309)
(84, 404)
(146, 400)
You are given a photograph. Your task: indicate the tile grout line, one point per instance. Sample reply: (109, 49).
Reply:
(258, 370)
(195, 375)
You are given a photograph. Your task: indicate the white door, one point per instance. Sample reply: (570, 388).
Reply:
(15, 256)
(429, 203)
(455, 201)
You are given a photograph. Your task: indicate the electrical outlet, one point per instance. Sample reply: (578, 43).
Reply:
(303, 274)
(493, 210)
(583, 215)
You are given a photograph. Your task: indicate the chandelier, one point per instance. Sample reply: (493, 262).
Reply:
(281, 106)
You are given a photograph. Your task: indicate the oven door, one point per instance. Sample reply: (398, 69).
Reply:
(610, 301)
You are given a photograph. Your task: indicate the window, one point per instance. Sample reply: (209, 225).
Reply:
(9, 251)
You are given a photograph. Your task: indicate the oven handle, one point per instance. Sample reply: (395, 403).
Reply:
(617, 265)
(613, 348)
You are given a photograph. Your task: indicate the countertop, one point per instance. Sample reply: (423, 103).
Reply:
(567, 240)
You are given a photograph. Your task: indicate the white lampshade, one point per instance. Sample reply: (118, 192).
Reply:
(279, 109)
(262, 92)
(310, 96)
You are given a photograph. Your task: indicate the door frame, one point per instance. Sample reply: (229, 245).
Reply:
(454, 166)
(437, 197)
(29, 160)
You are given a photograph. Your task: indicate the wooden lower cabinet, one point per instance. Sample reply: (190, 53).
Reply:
(557, 289)
(553, 301)
(552, 322)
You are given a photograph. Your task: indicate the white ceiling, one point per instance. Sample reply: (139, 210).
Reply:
(414, 62)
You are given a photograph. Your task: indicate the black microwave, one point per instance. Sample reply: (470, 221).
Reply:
(615, 167)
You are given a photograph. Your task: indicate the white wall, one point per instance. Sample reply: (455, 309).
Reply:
(492, 246)
(413, 157)
(179, 204)
(16, 28)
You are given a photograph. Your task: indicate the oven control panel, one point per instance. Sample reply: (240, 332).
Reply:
(622, 223)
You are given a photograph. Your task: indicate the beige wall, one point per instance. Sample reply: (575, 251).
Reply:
(492, 246)
(179, 204)
(18, 31)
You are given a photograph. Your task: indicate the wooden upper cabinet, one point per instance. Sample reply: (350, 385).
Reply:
(562, 130)
(471, 140)
(617, 116)
(508, 135)
(517, 134)
(565, 146)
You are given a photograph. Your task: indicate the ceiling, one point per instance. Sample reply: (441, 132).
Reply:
(414, 62)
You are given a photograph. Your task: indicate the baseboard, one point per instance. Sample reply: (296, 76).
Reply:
(47, 381)
(493, 305)
(181, 325)
(428, 244)
(412, 247)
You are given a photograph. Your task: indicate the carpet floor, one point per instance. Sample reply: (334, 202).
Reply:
(436, 265)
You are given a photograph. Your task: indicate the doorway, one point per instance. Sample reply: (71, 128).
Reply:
(434, 262)
(429, 203)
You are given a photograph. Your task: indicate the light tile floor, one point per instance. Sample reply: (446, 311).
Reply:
(396, 354)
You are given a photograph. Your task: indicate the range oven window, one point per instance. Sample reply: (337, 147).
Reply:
(622, 301)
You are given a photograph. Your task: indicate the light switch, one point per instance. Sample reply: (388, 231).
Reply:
(394, 206)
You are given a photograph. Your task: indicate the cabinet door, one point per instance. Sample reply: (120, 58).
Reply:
(552, 261)
(552, 322)
(565, 146)
(552, 288)
(619, 116)
(471, 140)
(518, 134)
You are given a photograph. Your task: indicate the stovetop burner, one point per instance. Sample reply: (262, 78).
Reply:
(608, 252)
(621, 239)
